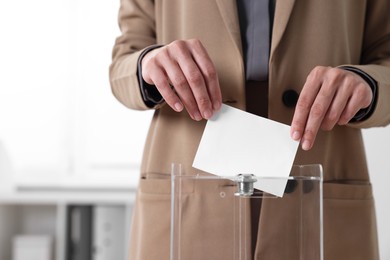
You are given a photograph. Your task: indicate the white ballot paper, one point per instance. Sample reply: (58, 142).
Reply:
(237, 142)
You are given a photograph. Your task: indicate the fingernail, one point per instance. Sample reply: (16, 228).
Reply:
(216, 106)
(178, 107)
(207, 114)
(296, 136)
(197, 116)
(306, 145)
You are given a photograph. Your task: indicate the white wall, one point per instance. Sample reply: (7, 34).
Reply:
(59, 122)
(377, 141)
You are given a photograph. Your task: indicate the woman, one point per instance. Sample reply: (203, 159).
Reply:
(328, 67)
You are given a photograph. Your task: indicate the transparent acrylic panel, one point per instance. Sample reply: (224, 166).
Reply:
(222, 218)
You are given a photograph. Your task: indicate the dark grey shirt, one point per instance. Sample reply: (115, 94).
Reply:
(256, 18)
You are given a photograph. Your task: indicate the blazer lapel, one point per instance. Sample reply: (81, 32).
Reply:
(283, 11)
(228, 10)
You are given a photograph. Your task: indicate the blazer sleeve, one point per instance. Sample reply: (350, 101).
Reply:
(138, 32)
(375, 61)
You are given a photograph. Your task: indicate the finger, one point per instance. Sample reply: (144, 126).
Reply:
(348, 113)
(185, 94)
(361, 98)
(317, 113)
(314, 121)
(153, 73)
(209, 72)
(335, 110)
(181, 86)
(196, 82)
(160, 79)
(304, 104)
(149, 63)
(199, 90)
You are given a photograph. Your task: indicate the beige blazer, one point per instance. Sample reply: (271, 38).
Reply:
(306, 33)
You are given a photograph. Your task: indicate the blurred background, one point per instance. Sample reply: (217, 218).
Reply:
(69, 152)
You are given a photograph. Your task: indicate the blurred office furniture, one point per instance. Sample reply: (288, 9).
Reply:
(35, 212)
(27, 247)
(79, 232)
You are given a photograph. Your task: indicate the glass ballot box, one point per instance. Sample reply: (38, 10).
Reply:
(226, 218)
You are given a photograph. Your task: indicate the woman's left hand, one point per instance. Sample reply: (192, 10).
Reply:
(330, 96)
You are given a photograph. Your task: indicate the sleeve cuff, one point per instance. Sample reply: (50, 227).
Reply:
(364, 113)
(149, 93)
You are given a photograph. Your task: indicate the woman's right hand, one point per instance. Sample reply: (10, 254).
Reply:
(185, 76)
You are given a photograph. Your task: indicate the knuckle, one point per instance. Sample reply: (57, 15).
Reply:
(329, 121)
(195, 78)
(315, 73)
(336, 72)
(349, 84)
(303, 103)
(344, 119)
(210, 72)
(177, 47)
(163, 54)
(195, 42)
(364, 94)
(317, 110)
(178, 81)
(177, 43)
(155, 54)
(149, 63)
(319, 69)
(362, 90)
(203, 101)
(331, 117)
(335, 77)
